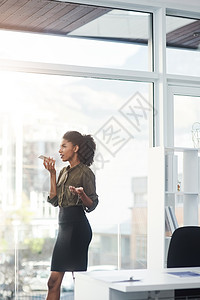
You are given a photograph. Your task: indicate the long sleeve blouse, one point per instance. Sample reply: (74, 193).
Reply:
(78, 176)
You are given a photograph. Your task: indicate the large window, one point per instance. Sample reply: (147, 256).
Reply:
(116, 39)
(36, 110)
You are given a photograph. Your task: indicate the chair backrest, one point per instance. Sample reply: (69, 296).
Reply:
(184, 248)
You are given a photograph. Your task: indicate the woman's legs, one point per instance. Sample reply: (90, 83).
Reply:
(54, 284)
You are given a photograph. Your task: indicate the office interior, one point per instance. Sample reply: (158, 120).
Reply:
(126, 72)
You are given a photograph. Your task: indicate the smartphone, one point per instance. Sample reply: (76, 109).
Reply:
(42, 157)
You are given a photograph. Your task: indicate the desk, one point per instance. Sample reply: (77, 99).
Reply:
(151, 284)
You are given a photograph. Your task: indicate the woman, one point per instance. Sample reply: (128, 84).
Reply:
(74, 193)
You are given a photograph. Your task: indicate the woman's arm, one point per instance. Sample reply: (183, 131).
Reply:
(80, 192)
(49, 164)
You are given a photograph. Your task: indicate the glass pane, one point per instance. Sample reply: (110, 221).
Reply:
(186, 121)
(186, 135)
(116, 39)
(183, 41)
(36, 110)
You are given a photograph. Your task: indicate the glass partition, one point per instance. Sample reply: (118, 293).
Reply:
(186, 103)
(36, 110)
(186, 121)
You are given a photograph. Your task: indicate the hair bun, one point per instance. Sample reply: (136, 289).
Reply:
(87, 149)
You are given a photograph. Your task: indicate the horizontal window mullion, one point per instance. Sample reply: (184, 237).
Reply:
(72, 70)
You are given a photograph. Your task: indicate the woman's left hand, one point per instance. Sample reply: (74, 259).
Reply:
(79, 190)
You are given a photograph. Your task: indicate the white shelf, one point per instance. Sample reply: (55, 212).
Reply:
(181, 149)
(182, 193)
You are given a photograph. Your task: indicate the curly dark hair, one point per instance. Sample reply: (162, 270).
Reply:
(86, 145)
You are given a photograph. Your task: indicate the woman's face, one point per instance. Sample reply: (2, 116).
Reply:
(67, 150)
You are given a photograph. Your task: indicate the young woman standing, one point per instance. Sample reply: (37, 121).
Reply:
(74, 192)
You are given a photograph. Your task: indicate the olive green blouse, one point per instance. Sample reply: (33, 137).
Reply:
(78, 176)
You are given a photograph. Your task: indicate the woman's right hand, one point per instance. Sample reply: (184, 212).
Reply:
(49, 164)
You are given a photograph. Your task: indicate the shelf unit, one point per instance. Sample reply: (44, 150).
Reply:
(163, 191)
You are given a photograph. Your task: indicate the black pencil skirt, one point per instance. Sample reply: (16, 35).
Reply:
(74, 236)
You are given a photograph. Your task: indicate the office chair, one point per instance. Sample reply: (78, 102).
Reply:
(184, 251)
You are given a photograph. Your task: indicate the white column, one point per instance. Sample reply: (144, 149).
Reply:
(156, 209)
(156, 175)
